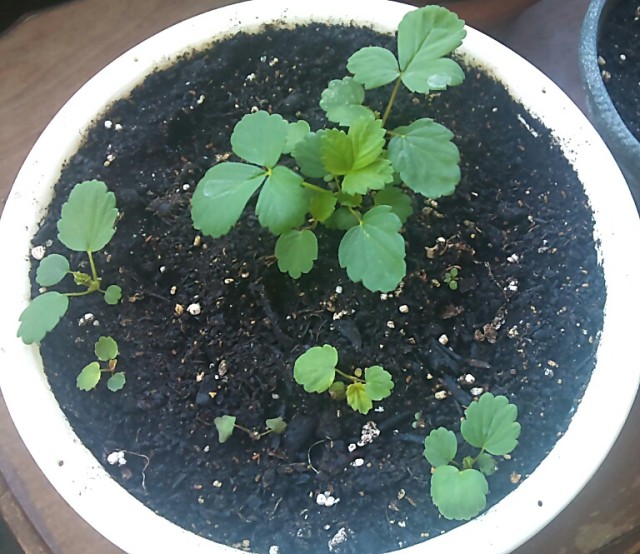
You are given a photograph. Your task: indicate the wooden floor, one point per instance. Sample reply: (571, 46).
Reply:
(46, 58)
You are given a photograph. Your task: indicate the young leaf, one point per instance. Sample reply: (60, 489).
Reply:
(296, 251)
(260, 138)
(342, 100)
(89, 377)
(41, 315)
(490, 424)
(221, 196)
(112, 295)
(400, 203)
(338, 390)
(426, 158)
(307, 154)
(459, 494)
(373, 66)
(487, 464)
(116, 382)
(277, 425)
(322, 205)
(283, 202)
(296, 131)
(372, 177)
(378, 382)
(373, 251)
(52, 270)
(225, 425)
(88, 217)
(315, 370)
(440, 447)
(342, 219)
(106, 349)
(358, 398)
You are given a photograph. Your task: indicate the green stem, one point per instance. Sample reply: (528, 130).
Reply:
(94, 273)
(392, 99)
(315, 188)
(83, 293)
(350, 377)
(355, 214)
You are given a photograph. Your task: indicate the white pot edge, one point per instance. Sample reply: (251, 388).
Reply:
(82, 481)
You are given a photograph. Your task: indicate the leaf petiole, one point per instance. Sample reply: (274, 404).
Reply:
(392, 99)
(350, 377)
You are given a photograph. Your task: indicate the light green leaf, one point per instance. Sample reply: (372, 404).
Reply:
(425, 75)
(113, 295)
(426, 158)
(296, 251)
(367, 142)
(221, 196)
(260, 138)
(342, 101)
(82, 279)
(296, 131)
(378, 382)
(41, 315)
(400, 203)
(349, 200)
(336, 152)
(459, 494)
(490, 424)
(106, 349)
(116, 382)
(375, 176)
(338, 390)
(52, 270)
(225, 425)
(373, 66)
(486, 464)
(342, 219)
(283, 202)
(88, 217)
(277, 425)
(373, 251)
(358, 398)
(315, 370)
(308, 155)
(89, 377)
(322, 205)
(440, 447)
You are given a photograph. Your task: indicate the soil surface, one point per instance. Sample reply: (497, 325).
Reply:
(524, 321)
(619, 57)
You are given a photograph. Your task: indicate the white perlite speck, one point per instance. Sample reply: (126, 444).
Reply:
(117, 458)
(38, 252)
(274, 549)
(338, 538)
(369, 432)
(194, 309)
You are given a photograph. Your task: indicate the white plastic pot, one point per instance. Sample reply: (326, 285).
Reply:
(80, 478)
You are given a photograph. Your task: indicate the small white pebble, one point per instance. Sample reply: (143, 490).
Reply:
(217, 484)
(441, 395)
(273, 62)
(118, 127)
(469, 379)
(513, 259)
(352, 446)
(358, 462)
(338, 538)
(162, 268)
(186, 187)
(443, 340)
(38, 252)
(206, 449)
(384, 296)
(117, 458)
(477, 391)
(108, 124)
(623, 57)
(391, 324)
(200, 99)
(404, 309)
(194, 309)
(321, 500)
(274, 549)
(338, 289)
(173, 290)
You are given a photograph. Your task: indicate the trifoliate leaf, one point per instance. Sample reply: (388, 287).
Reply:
(338, 391)
(308, 155)
(375, 176)
(440, 447)
(283, 202)
(89, 377)
(358, 398)
(225, 425)
(373, 251)
(424, 37)
(490, 424)
(88, 217)
(373, 66)
(399, 202)
(426, 158)
(342, 219)
(116, 382)
(459, 494)
(342, 100)
(52, 270)
(322, 205)
(277, 425)
(378, 382)
(486, 464)
(296, 131)
(221, 196)
(296, 251)
(41, 315)
(260, 138)
(106, 349)
(315, 370)
(113, 295)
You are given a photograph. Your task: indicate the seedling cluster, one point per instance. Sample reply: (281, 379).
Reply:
(226, 424)
(106, 349)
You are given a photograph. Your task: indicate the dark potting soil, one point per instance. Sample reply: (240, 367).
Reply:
(524, 322)
(619, 56)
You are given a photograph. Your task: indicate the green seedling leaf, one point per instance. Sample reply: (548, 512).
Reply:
(225, 425)
(338, 390)
(296, 251)
(295, 133)
(308, 156)
(426, 158)
(373, 66)
(222, 194)
(113, 295)
(315, 370)
(116, 382)
(88, 217)
(82, 279)
(106, 349)
(342, 101)
(373, 251)
(358, 398)
(378, 382)
(322, 205)
(277, 425)
(41, 315)
(349, 200)
(342, 219)
(440, 447)
(283, 202)
(490, 424)
(458, 494)
(486, 464)
(260, 138)
(89, 377)
(52, 270)
(399, 202)
(372, 177)
(424, 37)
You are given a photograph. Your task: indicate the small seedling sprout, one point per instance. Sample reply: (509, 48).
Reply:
(226, 424)
(106, 350)
(451, 277)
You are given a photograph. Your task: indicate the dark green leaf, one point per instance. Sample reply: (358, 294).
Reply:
(358, 398)
(487, 464)
(260, 138)
(296, 251)
(338, 390)
(89, 377)
(440, 447)
(400, 202)
(308, 157)
(458, 494)
(296, 132)
(52, 270)
(342, 219)
(322, 205)
(41, 315)
(373, 66)
(315, 370)
(342, 100)
(116, 382)
(225, 425)
(283, 202)
(378, 382)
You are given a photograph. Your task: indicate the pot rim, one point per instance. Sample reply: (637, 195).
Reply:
(81, 479)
